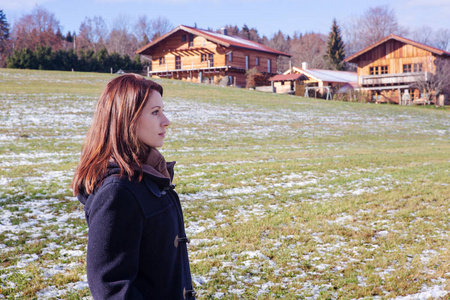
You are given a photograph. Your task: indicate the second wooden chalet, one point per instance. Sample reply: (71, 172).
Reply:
(199, 55)
(390, 68)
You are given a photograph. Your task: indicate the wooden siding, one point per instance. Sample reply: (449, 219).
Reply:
(191, 55)
(394, 54)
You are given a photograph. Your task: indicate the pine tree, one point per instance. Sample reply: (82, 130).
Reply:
(335, 48)
(4, 28)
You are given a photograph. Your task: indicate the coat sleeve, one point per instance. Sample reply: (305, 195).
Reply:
(115, 227)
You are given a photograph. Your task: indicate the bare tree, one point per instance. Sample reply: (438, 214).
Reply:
(39, 28)
(373, 25)
(121, 39)
(160, 26)
(280, 42)
(435, 38)
(310, 48)
(92, 33)
(436, 80)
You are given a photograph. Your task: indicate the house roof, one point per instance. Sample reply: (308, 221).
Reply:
(221, 39)
(353, 58)
(285, 77)
(328, 75)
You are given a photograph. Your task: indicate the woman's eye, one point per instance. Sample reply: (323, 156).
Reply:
(155, 112)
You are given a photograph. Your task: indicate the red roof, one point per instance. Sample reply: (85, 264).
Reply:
(224, 40)
(400, 39)
(286, 77)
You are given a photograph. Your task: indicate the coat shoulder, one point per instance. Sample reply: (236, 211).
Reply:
(146, 193)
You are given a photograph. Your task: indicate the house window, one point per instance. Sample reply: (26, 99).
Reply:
(204, 58)
(183, 38)
(373, 70)
(177, 62)
(162, 60)
(211, 60)
(257, 61)
(383, 69)
(269, 67)
(407, 68)
(191, 40)
(230, 56)
(417, 68)
(246, 62)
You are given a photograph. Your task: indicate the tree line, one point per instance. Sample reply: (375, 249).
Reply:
(35, 41)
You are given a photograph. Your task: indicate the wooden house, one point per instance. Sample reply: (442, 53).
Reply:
(311, 82)
(199, 55)
(391, 67)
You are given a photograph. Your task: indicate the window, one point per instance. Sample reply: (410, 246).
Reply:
(246, 62)
(204, 58)
(383, 69)
(373, 70)
(257, 61)
(191, 40)
(417, 68)
(269, 67)
(230, 56)
(183, 38)
(407, 68)
(177, 62)
(162, 60)
(211, 60)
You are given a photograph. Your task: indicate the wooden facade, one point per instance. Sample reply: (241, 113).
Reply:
(198, 55)
(389, 68)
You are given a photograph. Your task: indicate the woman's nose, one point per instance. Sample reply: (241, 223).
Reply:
(165, 122)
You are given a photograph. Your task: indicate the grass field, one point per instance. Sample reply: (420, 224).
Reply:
(283, 197)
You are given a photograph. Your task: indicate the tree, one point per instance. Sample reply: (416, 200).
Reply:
(280, 42)
(310, 48)
(435, 38)
(335, 53)
(92, 34)
(4, 39)
(160, 26)
(39, 28)
(436, 80)
(373, 25)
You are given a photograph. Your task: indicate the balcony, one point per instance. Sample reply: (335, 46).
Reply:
(392, 79)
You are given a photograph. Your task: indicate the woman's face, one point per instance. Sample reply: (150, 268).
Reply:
(152, 123)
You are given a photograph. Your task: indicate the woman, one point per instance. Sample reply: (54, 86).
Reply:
(137, 242)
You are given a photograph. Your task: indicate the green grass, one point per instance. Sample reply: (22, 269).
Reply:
(283, 197)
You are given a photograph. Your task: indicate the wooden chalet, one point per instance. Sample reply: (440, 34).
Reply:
(199, 55)
(390, 68)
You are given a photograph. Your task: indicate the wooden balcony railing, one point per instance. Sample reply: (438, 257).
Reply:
(392, 79)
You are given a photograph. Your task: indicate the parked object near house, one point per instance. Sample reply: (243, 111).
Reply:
(316, 83)
(395, 65)
(199, 55)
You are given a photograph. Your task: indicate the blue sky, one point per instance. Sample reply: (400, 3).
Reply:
(268, 16)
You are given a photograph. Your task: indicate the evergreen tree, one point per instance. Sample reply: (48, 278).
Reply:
(4, 27)
(69, 37)
(335, 48)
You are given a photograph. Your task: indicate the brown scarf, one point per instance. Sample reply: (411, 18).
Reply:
(156, 161)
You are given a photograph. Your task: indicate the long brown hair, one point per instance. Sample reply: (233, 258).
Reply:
(112, 134)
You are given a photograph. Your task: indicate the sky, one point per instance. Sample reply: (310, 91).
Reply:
(267, 16)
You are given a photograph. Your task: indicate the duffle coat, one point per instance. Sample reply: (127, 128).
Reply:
(137, 242)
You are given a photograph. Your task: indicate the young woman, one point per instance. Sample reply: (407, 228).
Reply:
(137, 242)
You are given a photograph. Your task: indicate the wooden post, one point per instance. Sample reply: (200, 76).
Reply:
(111, 70)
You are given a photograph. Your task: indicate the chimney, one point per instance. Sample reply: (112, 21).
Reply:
(223, 31)
(304, 65)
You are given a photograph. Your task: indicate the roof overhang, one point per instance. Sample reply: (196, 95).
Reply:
(353, 58)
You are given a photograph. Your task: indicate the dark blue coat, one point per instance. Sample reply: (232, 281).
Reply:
(137, 242)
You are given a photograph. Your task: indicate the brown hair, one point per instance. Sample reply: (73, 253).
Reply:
(113, 132)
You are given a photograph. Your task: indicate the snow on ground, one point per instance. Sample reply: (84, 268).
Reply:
(40, 219)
